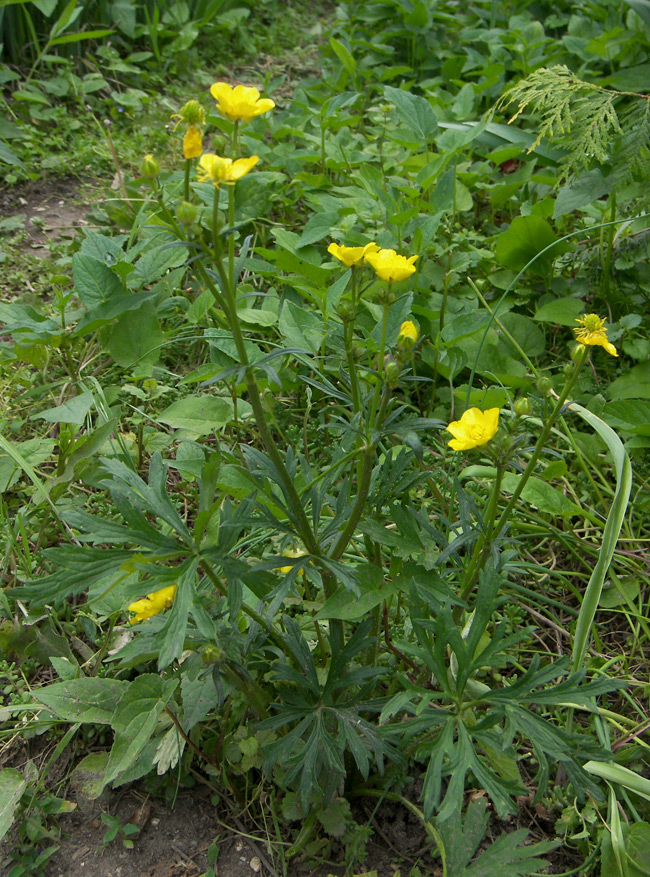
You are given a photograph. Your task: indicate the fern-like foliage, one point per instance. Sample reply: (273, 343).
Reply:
(590, 122)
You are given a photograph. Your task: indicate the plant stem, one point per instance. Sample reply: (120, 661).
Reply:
(186, 183)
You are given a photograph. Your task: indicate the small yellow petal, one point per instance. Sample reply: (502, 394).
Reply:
(152, 604)
(192, 143)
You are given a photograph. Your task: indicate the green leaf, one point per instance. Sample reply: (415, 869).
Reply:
(346, 605)
(135, 719)
(542, 495)
(8, 156)
(563, 311)
(12, 786)
(528, 243)
(621, 592)
(87, 778)
(632, 416)
(415, 112)
(318, 226)
(138, 340)
(33, 452)
(72, 411)
(335, 818)
(344, 55)
(581, 191)
(635, 384)
(641, 7)
(94, 281)
(609, 538)
(301, 328)
(199, 415)
(90, 699)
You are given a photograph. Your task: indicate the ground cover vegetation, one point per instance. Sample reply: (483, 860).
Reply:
(318, 439)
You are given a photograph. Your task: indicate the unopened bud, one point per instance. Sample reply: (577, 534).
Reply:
(392, 372)
(408, 335)
(149, 168)
(186, 213)
(522, 406)
(345, 310)
(219, 144)
(544, 384)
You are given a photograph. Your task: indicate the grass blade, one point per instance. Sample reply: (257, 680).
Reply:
(623, 470)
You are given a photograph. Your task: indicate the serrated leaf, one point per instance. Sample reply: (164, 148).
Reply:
(334, 818)
(199, 415)
(135, 718)
(12, 786)
(90, 699)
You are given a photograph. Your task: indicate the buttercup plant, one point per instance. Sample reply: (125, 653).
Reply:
(316, 584)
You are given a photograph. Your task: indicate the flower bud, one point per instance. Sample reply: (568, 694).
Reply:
(219, 144)
(408, 335)
(522, 406)
(345, 310)
(149, 168)
(544, 385)
(192, 113)
(577, 352)
(212, 654)
(357, 350)
(392, 372)
(568, 369)
(186, 213)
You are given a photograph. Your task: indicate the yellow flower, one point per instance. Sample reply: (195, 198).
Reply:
(390, 266)
(475, 428)
(192, 143)
(408, 335)
(239, 104)
(592, 332)
(352, 255)
(218, 170)
(152, 604)
(290, 553)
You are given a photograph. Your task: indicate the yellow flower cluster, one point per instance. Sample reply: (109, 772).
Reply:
(388, 264)
(152, 604)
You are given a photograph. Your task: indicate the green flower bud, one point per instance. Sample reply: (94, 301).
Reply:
(392, 372)
(186, 213)
(149, 168)
(346, 310)
(544, 385)
(192, 113)
(577, 352)
(357, 350)
(212, 655)
(522, 406)
(568, 370)
(219, 144)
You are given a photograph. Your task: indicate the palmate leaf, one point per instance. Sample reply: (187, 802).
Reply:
(506, 856)
(152, 497)
(75, 568)
(326, 720)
